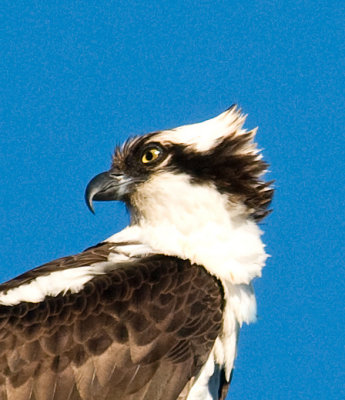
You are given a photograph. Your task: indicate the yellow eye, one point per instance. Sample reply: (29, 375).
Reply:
(150, 155)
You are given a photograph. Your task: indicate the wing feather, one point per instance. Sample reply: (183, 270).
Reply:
(141, 331)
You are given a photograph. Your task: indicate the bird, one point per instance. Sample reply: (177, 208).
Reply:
(154, 311)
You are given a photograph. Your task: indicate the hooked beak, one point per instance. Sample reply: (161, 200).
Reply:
(106, 186)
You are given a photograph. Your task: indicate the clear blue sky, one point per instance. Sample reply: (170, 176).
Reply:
(79, 77)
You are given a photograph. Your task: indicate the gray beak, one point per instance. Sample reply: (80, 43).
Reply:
(103, 187)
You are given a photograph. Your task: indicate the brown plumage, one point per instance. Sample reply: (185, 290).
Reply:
(120, 337)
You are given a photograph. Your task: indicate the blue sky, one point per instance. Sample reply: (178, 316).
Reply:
(79, 77)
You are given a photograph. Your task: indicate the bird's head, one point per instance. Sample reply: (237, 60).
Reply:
(178, 167)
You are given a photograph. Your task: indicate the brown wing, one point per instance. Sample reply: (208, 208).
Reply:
(141, 331)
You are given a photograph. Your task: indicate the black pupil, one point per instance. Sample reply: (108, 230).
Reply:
(149, 155)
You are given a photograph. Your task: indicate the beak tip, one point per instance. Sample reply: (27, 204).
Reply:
(88, 200)
(89, 205)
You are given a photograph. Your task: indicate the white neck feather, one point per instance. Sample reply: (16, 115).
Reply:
(196, 222)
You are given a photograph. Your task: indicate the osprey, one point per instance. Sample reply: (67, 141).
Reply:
(154, 311)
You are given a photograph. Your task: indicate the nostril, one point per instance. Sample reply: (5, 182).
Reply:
(115, 174)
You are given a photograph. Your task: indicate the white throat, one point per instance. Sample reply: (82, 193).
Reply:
(196, 222)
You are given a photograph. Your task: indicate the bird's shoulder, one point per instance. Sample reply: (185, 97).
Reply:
(127, 328)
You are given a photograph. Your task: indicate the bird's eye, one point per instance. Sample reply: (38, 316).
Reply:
(150, 155)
